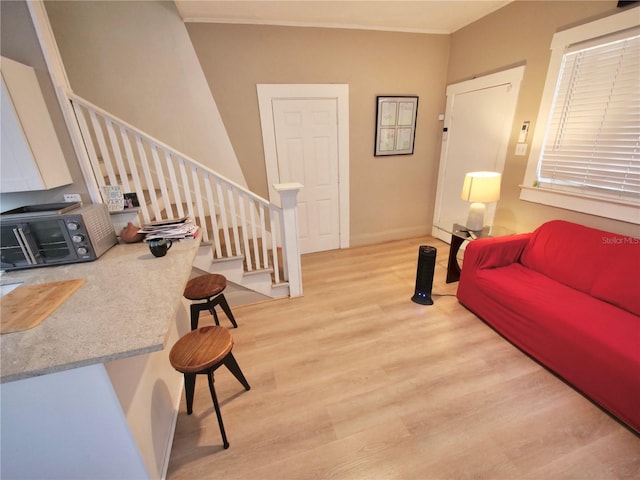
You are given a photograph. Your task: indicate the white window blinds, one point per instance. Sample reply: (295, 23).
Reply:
(592, 143)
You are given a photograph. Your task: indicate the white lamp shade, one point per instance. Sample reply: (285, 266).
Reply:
(481, 187)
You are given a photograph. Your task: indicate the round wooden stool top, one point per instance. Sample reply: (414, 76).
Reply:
(205, 286)
(201, 349)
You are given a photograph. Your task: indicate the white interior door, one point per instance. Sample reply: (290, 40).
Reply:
(305, 132)
(307, 149)
(478, 124)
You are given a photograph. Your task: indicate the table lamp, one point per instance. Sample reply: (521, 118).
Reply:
(479, 188)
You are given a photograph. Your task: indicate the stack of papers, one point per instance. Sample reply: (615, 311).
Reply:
(175, 229)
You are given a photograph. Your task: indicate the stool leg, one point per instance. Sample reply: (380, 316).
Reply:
(225, 443)
(230, 362)
(227, 310)
(212, 309)
(189, 387)
(195, 315)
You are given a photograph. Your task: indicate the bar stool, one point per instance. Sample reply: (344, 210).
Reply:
(208, 287)
(202, 351)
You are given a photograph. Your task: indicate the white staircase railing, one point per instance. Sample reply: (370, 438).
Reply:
(168, 184)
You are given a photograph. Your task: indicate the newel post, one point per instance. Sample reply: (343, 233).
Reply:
(289, 201)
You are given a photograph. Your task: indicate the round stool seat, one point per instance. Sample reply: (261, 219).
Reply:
(208, 287)
(201, 349)
(205, 286)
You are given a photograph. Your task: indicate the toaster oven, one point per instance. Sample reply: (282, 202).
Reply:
(54, 234)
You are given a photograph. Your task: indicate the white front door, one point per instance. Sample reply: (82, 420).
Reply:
(306, 133)
(478, 124)
(305, 130)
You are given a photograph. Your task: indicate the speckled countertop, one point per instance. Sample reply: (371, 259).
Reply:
(123, 309)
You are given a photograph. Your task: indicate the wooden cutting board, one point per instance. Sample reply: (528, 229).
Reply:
(28, 305)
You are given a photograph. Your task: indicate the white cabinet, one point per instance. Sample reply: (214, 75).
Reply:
(31, 157)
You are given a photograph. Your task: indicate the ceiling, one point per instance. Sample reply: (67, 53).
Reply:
(432, 16)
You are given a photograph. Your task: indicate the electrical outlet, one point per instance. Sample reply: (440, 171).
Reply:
(72, 197)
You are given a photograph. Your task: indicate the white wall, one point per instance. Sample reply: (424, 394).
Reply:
(66, 425)
(135, 60)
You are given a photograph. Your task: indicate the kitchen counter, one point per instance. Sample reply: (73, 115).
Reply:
(90, 392)
(124, 309)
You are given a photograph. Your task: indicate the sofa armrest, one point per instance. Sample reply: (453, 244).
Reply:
(494, 252)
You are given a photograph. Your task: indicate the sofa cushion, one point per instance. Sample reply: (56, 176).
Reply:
(617, 280)
(592, 261)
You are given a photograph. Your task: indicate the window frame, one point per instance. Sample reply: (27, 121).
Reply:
(581, 202)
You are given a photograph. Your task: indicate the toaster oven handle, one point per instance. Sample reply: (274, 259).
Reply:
(24, 245)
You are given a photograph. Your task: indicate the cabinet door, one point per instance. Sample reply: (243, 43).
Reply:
(32, 158)
(18, 175)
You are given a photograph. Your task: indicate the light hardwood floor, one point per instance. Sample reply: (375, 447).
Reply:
(355, 381)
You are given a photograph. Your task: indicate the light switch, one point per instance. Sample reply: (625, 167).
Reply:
(521, 149)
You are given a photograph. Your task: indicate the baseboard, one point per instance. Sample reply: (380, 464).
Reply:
(172, 432)
(388, 235)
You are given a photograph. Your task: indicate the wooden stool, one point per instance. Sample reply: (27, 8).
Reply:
(208, 287)
(202, 351)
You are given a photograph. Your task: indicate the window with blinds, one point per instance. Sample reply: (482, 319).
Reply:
(592, 141)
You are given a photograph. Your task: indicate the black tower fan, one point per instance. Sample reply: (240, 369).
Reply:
(424, 276)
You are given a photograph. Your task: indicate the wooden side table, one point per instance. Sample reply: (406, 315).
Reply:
(459, 235)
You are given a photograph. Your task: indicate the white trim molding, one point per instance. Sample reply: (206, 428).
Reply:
(530, 191)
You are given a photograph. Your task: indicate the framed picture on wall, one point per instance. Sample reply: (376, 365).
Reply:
(395, 125)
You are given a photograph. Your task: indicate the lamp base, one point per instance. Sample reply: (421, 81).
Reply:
(475, 217)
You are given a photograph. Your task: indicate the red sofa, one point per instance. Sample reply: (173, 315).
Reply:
(569, 296)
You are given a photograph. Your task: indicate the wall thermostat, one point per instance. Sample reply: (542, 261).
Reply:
(522, 138)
